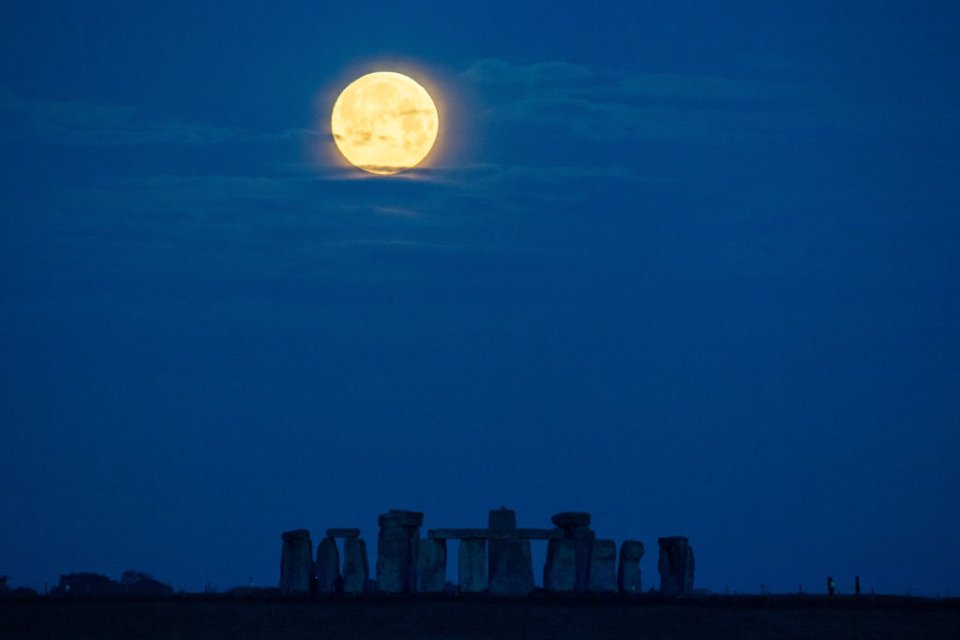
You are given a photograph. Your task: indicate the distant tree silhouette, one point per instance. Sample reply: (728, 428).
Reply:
(138, 583)
(3, 584)
(86, 584)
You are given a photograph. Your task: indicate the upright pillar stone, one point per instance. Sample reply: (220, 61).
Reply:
(675, 565)
(560, 572)
(398, 546)
(603, 560)
(576, 527)
(296, 562)
(327, 568)
(432, 566)
(472, 565)
(356, 570)
(628, 572)
(511, 563)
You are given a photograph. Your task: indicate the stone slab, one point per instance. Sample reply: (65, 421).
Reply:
(296, 562)
(571, 519)
(510, 567)
(356, 570)
(327, 567)
(495, 534)
(560, 571)
(432, 566)
(603, 561)
(629, 579)
(675, 565)
(472, 565)
(343, 533)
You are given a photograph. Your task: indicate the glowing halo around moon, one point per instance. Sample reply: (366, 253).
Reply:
(384, 123)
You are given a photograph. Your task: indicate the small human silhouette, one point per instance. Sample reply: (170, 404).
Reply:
(857, 585)
(831, 586)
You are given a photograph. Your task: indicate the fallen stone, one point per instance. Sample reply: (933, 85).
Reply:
(675, 565)
(560, 572)
(327, 567)
(296, 562)
(431, 566)
(356, 569)
(628, 571)
(603, 559)
(343, 533)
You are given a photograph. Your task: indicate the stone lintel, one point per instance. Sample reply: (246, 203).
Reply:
(343, 533)
(495, 534)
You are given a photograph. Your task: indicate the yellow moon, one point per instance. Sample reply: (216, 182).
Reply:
(384, 123)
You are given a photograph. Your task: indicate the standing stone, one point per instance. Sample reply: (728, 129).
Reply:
(603, 559)
(560, 572)
(397, 548)
(628, 572)
(510, 561)
(675, 565)
(327, 568)
(472, 565)
(296, 562)
(356, 571)
(432, 566)
(576, 527)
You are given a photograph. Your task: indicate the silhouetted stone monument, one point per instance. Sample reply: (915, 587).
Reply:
(603, 561)
(472, 565)
(675, 565)
(560, 572)
(576, 527)
(327, 568)
(296, 562)
(356, 570)
(510, 560)
(628, 571)
(343, 533)
(432, 566)
(398, 546)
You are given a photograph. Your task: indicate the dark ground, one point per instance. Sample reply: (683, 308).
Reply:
(209, 618)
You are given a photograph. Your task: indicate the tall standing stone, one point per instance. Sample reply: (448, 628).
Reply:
(511, 563)
(603, 559)
(628, 572)
(398, 546)
(560, 572)
(576, 527)
(432, 566)
(356, 570)
(327, 568)
(675, 565)
(472, 565)
(296, 562)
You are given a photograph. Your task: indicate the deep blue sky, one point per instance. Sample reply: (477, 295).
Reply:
(692, 267)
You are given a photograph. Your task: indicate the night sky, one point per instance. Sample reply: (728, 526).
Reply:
(692, 267)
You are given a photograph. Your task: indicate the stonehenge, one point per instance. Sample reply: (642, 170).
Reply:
(495, 560)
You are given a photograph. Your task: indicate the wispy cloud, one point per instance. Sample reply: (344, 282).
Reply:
(601, 104)
(72, 123)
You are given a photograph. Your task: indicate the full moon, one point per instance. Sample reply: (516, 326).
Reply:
(384, 123)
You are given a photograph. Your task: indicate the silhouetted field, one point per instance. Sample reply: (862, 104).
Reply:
(210, 618)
